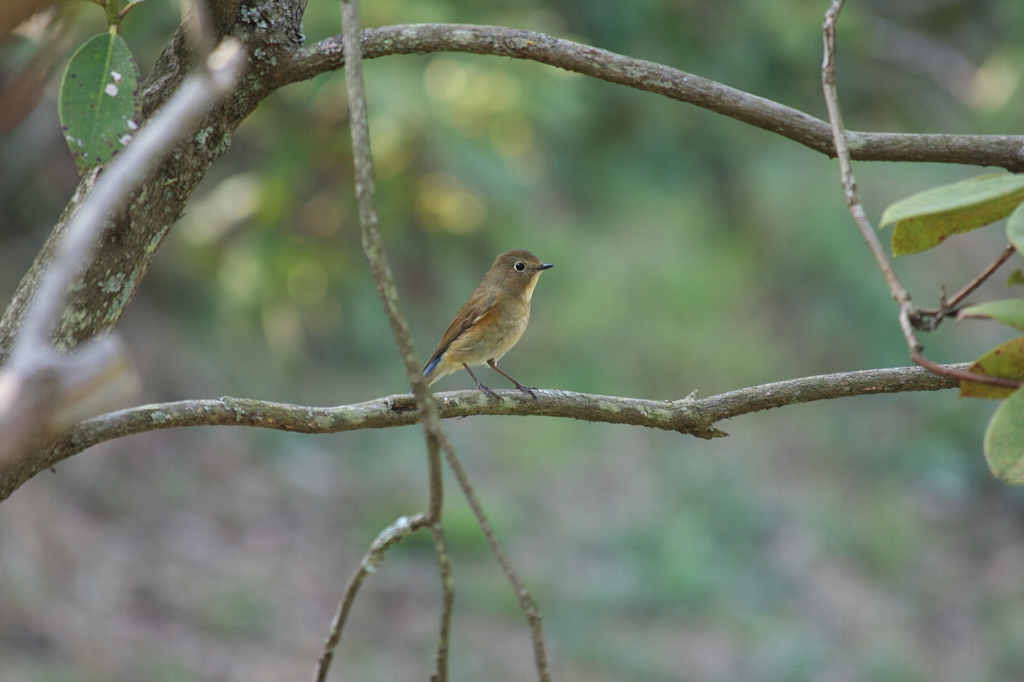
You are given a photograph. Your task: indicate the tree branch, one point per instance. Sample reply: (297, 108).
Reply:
(444, 567)
(38, 383)
(909, 316)
(849, 182)
(693, 416)
(373, 247)
(526, 602)
(133, 235)
(1006, 151)
(391, 535)
(948, 307)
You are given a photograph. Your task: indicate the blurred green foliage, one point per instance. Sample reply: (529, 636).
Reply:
(861, 539)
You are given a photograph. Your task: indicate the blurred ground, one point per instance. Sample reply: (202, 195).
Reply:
(857, 540)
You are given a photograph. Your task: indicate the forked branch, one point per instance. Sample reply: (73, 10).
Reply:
(908, 314)
(435, 436)
(388, 537)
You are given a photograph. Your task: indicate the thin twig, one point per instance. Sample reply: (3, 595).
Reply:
(389, 536)
(373, 247)
(949, 307)
(828, 83)
(373, 244)
(962, 375)
(526, 603)
(980, 279)
(435, 473)
(371, 560)
(444, 565)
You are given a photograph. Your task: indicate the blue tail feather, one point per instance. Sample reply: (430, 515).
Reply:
(433, 363)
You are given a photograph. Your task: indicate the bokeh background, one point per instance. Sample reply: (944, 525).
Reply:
(859, 539)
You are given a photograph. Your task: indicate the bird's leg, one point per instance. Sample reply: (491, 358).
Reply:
(481, 386)
(494, 365)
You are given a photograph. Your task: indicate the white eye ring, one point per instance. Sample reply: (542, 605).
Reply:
(520, 266)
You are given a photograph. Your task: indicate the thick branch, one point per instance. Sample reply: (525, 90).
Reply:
(978, 150)
(38, 383)
(693, 416)
(132, 237)
(270, 33)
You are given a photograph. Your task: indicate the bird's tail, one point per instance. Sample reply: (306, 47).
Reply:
(431, 366)
(428, 371)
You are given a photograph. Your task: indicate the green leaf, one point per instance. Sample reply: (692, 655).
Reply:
(1016, 277)
(1006, 361)
(1015, 228)
(1009, 311)
(1004, 440)
(98, 100)
(925, 220)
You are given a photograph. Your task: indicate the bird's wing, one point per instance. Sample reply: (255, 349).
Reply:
(472, 312)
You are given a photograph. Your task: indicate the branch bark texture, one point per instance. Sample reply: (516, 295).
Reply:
(46, 383)
(696, 416)
(1006, 151)
(270, 33)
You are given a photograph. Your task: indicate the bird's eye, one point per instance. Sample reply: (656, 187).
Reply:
(520, 266)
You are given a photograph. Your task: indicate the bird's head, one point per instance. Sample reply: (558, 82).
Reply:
(517, 272)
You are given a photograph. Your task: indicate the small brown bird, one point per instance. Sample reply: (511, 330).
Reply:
(491, 321)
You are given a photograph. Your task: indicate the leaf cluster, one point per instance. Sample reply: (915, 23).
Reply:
(925, 220)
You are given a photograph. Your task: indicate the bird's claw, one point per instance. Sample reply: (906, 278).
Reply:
(528, 390)
(489, 392)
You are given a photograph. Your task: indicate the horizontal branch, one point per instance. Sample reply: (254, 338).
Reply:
(1006, 151)
(695, 416)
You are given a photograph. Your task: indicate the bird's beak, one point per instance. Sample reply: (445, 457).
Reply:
(545, 266)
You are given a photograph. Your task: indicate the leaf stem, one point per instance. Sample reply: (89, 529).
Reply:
(946, 308)
(113, 14)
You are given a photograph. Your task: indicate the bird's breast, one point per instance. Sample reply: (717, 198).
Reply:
(494, 334)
